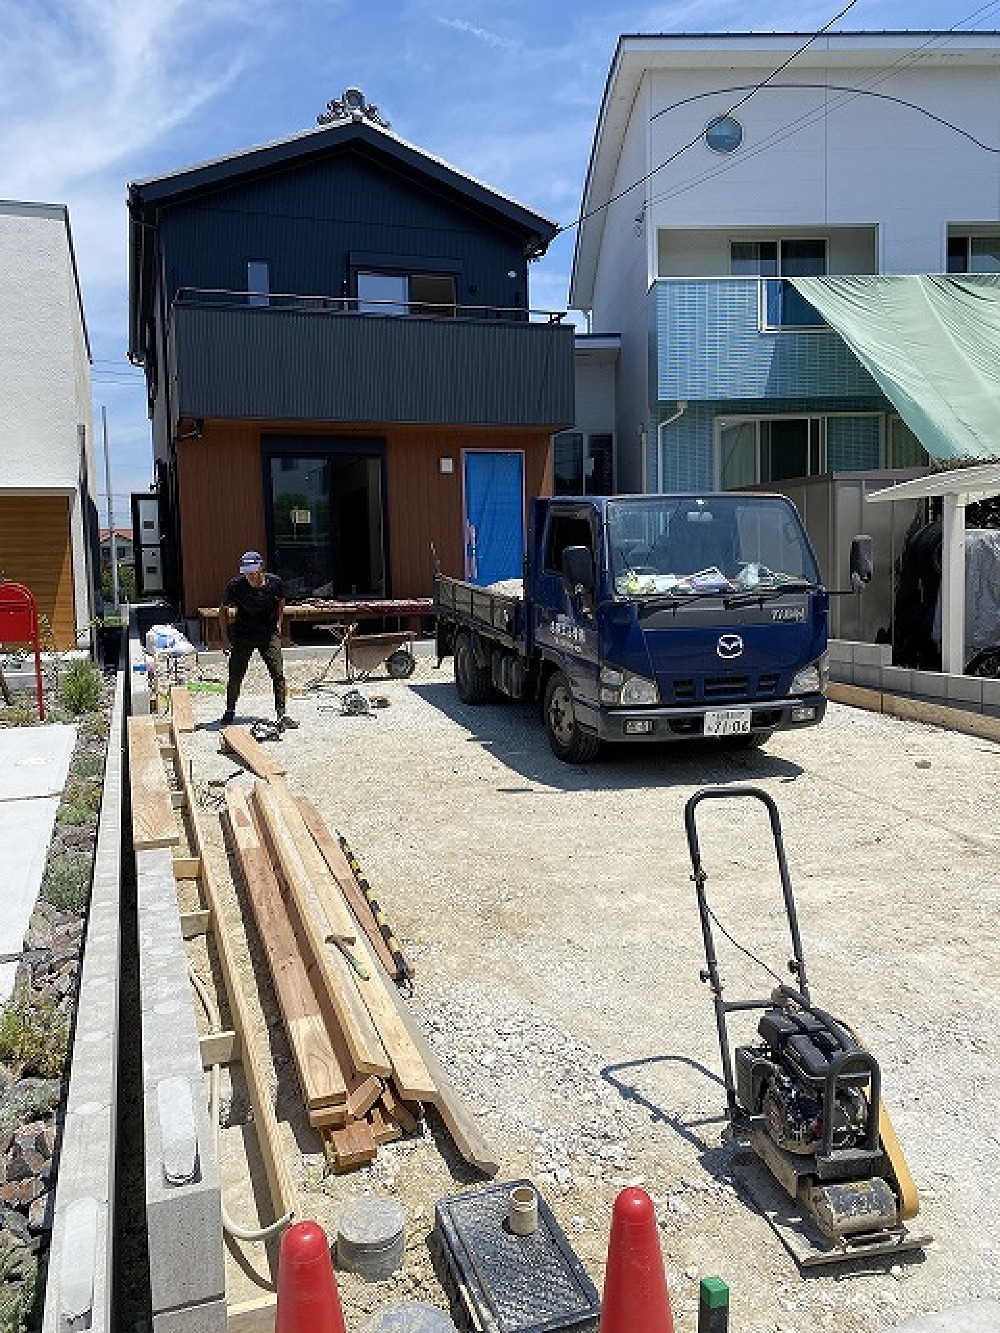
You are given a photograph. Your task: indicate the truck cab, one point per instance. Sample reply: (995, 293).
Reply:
(668, 617)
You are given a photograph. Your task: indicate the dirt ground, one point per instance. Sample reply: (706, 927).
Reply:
(551, 916)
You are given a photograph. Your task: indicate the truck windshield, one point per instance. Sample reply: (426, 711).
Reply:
(690, 544)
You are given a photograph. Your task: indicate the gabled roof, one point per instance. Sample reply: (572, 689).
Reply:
(638, 53)
(147, 197)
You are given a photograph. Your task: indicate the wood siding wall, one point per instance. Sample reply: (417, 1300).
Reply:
(35, 549)
(221, 497)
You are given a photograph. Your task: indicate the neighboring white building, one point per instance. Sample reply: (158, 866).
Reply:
(48, 519)
(869, 153)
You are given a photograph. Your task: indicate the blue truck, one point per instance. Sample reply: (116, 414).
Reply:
(651, 618)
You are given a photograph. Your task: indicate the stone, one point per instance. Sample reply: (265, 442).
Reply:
(40, 1212)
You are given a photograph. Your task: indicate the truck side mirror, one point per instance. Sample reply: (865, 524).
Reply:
(862, 562)
(578, 570)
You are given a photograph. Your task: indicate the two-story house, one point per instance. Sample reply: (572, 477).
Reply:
(48, 516)
(724, 168)
(343, 370)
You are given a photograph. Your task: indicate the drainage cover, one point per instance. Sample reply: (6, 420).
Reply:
(507, 1283)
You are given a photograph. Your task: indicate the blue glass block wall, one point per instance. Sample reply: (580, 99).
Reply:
(708, 346)
(853, 444)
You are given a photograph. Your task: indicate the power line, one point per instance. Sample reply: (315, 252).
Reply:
(697, 139)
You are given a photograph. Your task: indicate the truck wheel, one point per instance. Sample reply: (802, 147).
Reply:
(400, 664)
(473, 682)
(568, 741)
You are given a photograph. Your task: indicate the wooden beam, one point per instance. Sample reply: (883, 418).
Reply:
(187, 867)
(180, 708)
(154, 823)
(219, 1048)
(398, 1110)
(320, 1075)
(284, 1196)
(196, 923)
(351, 1146)
(333, 855)
(384, 1130)
(256, 758)
(328, 1117)
(340, 920)
(330, 972)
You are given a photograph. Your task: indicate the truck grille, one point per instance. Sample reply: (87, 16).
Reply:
(715, 688)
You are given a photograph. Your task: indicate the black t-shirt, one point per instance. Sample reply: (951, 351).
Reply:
(256, 608)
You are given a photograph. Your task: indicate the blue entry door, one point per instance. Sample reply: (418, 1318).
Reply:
(494, 516)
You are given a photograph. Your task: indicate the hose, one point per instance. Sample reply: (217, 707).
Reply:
(230, 1227)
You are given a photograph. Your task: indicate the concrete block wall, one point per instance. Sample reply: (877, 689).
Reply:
(869, 665)
(78, 1288)
(183, 1193)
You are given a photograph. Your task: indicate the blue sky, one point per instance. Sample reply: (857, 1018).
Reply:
(96, 93)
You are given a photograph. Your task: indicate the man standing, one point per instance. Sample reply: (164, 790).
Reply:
(259, 602)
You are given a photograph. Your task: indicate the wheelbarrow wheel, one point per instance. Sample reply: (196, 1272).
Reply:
(400, 664)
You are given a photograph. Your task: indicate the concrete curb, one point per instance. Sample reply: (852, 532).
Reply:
(78, 1291)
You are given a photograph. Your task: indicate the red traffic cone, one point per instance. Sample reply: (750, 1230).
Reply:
(308, 1301)
(635, 1286)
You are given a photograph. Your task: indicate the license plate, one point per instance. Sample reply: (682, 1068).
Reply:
(727, 722)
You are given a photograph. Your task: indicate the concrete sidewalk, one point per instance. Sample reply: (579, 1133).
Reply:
(34, 764)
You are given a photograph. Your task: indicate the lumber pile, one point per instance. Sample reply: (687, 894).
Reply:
(365, 1071)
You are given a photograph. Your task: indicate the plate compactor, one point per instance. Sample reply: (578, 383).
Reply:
(806, 1099)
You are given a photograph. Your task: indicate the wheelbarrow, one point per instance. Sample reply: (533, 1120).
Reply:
(365, 653)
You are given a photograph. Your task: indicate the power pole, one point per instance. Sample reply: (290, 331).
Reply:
(112, 535)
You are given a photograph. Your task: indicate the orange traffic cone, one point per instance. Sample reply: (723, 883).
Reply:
(308, 1301)
(635, 1286)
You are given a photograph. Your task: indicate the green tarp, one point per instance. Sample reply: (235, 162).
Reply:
(933, 346)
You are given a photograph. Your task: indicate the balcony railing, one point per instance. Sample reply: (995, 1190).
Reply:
(352, 305)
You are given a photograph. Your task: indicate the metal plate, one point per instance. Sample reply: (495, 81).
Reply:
(510, 1283)
(728, 722)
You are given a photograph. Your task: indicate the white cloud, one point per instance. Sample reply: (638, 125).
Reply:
(481, 34)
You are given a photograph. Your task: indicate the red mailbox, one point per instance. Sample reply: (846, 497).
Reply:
(19, 624)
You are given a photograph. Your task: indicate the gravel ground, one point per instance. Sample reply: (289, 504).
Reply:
(550, 914)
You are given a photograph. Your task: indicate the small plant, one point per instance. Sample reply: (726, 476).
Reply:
(19, 714)
(34, 1035)
(67, 883)
(80, 687)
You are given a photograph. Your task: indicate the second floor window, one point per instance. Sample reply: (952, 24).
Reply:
(974, 254)
(406, 294)
(801, 257)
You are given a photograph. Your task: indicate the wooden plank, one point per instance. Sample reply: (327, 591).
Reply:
(364, 1096)
(458, 1119)
(284, 1196)
(330, 972)
(399, 1110)
(333, 855)
(196, 923)
(320, 1074)
(180, 708)
(256, 1316)
(187, 867)
(384, 1130)
(340, 920)
(153, 821)
(982, 725)
(351, 1146)
(855, 696)
(328, 1117)
(253, 754)
(219, 1048)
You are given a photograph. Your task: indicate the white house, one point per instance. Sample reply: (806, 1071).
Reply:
(48, 519)
(723, 166)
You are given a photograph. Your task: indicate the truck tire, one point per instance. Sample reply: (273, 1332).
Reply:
(568, 741)
(473, 682)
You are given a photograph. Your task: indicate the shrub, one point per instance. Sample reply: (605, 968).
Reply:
(67, 883)
(34, 1035)
(19, 714)
(80, 687)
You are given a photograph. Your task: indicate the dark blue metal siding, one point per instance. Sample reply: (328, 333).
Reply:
(274, 363)
(306, 222)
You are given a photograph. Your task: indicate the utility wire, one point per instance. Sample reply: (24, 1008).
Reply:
(697, 138)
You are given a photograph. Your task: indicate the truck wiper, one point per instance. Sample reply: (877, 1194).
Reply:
(762, 595)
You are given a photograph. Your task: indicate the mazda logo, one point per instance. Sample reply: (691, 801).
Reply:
(729, 646)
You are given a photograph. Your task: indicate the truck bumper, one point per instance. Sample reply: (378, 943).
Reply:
(685, 724)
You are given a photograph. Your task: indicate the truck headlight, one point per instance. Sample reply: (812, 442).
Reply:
(622, 689)
(810, 679)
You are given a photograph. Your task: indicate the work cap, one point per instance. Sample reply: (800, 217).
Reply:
(250, 561)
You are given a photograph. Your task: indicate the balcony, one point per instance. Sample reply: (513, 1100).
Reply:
(733, 339)
(296, 358)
